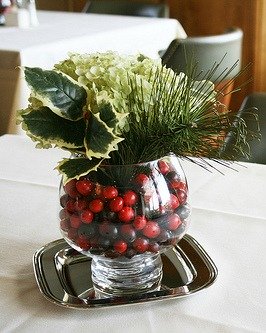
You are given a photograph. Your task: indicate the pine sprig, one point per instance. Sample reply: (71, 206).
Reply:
(183, 117)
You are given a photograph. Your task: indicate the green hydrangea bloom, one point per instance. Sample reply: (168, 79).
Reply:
(109, 74)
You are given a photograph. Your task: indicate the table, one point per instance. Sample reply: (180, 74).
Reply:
(63, 32)
(228, 220)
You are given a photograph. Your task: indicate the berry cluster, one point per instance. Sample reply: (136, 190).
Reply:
(126, 220)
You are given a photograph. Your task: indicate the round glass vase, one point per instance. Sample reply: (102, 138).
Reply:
(124, 217)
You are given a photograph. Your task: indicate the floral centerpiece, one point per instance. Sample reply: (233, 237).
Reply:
(125, 120)
(124, 109)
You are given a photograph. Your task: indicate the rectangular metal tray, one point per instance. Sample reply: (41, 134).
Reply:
(64, 277)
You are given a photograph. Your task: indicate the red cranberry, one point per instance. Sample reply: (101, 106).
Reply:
(120, 246)
(70, 206)
(63, 200)
(109, 192)
(75, 221)
(154, 247)
(151, 230)
(173, 222)
(84, 186)
(174, 201)
(96, 205)
(178, 185)
(116, 204)
(164, 167)
(70, 188)
(80, 204)
(63, 214)
(64, 224)
(141, 179)
(164, 235)
(83, 243)
(126, 214)
(139, 222)
(182, 196)
(72, 234)
(141, 245)
(87, 216)
(128, 232)
(130, 198)
(183, 186)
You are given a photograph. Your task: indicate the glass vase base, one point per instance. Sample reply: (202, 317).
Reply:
(124, 276)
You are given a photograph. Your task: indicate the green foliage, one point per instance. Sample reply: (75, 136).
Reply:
(77, 167)
(50, 128)
(58, 115)
(126, 110)
(99, 138)
(57, 92)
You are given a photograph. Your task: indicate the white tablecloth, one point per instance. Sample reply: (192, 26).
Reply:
(228, 220)
(62, 32)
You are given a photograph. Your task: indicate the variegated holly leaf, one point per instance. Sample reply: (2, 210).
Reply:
(77, 167)
(108, 115)
(48, 128)
(59, 92)
(100, 139)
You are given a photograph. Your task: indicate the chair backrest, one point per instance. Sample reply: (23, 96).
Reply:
(257, 147)
(206, 51)
(123, 7)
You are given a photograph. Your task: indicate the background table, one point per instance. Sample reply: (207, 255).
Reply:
(62, 32)
(228, 220)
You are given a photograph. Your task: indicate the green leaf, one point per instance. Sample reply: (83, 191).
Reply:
(77, 167)
(108, 115)
(58, 92)
(99, 138)
(48, 128)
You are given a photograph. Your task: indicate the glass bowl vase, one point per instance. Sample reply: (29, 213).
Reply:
(124, 217)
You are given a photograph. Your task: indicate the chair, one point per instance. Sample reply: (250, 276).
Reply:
(123, 7)
(257, 148)
(208, 51)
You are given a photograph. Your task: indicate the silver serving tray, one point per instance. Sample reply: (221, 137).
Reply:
(64, 277)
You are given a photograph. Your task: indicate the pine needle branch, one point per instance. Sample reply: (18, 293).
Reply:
(180, 116)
